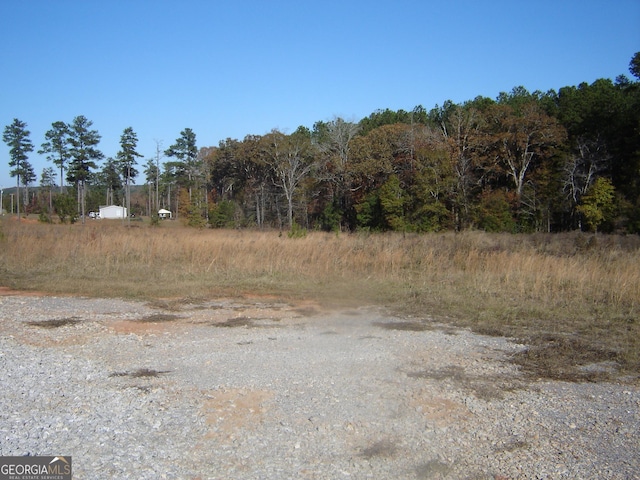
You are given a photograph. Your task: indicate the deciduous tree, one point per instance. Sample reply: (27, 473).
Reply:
(290, 158)
(333, 140)
(520, 140)
(598, 204)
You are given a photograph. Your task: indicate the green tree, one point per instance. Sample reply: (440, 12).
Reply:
(65, 207)
(634, 65)
(494, 212)
(16, 136)
(151, 175)
(373, 156)
(369, 212)
(252, 173)
(109, 178)
(56, 145)
(84, 154)
(187, 168)
(238, 171)
(598, 205)
(48, 182)
(605, 114)
(126, 161)
(222, 214)
(392, 201)
(334, 140)
(433, 190)
(28, 177)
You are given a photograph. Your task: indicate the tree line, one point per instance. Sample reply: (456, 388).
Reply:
(523, 162)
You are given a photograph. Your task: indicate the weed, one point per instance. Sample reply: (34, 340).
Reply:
(234, 322)
(584, 287)
(159, 317)
(383, 448)
(61, 322)
(561, 357)
(140, 373)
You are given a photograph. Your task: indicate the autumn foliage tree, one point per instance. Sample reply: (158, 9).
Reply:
(524, 161)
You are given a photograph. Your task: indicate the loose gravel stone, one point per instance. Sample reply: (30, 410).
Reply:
(230, 389)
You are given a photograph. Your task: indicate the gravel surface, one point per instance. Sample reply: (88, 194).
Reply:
(267, 390)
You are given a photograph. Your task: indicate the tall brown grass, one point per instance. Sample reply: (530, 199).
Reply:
(517, 285)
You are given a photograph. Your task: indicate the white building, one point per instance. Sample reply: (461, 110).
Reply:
(113, 211)
(163, 213)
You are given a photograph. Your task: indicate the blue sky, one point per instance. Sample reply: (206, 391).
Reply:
(228, 69)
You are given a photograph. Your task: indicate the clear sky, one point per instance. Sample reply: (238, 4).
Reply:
(232, 68)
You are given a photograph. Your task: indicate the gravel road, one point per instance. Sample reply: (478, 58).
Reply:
(259, 389)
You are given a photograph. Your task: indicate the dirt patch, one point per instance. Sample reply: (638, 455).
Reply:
(409, 326)
(140, 373)
(483, 387)
(246, 322)
(511, 446)
(307, 311)
(565, 357)
(438, 410)
(56, 323)
(159, 317)
(178, 304)
(137, 327)
(234, 322)
(382, 448)
(433, 469)
(8, 292)
(227, 411)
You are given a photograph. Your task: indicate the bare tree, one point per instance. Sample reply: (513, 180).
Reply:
(334, 142)
(589, 159)
(333, 139)
(522, 140)
(159, 156)
(291, 161)
(461, 131)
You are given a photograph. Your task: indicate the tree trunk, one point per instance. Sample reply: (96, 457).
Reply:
(82, 200)
(290, 211)
(18, 196)
(128, 197)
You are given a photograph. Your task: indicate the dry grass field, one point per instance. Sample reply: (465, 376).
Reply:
(575, 298)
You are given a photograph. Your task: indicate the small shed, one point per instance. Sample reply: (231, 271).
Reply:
(113, 211)
(163, 213)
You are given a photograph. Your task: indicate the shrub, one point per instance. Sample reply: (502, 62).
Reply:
(297, 231)
(222, 215)
(65, 207)
(44, 217)
(495, 213)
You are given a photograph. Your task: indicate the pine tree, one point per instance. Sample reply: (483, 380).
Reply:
(16, 136)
